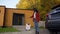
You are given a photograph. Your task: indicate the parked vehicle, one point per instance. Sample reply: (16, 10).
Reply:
(53, 20)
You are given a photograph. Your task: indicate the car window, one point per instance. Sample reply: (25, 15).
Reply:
(55, 13)
(55, 16)
(58, 8)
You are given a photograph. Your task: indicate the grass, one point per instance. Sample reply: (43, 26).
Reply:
(8, 30)
(41, 27)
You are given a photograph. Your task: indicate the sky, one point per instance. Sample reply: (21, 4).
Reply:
(9, 3)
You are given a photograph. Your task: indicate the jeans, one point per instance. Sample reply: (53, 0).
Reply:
(36, 25)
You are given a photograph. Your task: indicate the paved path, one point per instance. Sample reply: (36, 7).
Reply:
(23, 31)
(32, 31)
(27, 32)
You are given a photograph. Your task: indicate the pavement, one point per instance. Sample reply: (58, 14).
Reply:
(32, 31)
(23, 31)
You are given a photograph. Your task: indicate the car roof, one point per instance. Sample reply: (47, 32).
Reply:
(56, 10)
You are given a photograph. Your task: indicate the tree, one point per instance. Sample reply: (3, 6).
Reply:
(44, 6)
(23, 4)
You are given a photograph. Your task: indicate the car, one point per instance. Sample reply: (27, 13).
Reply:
(52, 22)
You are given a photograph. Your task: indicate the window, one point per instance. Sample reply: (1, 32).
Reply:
(55, 16)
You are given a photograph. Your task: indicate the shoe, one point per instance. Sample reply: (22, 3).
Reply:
(36, 32)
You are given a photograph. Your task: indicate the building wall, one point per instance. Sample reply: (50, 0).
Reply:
(9, 16)
(2, 11)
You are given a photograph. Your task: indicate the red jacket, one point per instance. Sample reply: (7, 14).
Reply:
(37, 17)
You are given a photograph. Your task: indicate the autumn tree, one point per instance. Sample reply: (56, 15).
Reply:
(23, 4)
(44, 6)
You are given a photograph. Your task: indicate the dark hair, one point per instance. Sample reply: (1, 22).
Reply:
(35, 10)
(55, 7)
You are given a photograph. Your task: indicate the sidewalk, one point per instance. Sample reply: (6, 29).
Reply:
(23, 31)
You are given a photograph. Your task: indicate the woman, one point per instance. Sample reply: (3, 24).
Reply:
(36, 19)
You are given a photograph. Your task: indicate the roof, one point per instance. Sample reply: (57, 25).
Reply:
(56, 10)
(19, 9)
(15, 8)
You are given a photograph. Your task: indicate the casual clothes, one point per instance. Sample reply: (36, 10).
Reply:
(36, 25)
(36, 19)
(35, 15)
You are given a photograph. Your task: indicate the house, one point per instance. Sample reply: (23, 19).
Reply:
(14, 16)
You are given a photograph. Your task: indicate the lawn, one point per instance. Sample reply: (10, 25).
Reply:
(8, 30)
(41, 27)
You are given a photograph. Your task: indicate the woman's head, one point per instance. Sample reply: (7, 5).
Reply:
(35, 10)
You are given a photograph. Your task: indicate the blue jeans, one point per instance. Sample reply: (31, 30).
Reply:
(36, 25)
